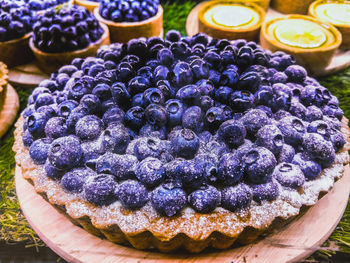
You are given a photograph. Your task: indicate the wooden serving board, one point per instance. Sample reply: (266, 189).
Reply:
(28, 75)
(9, 112)
(291, 243)
(340, 61)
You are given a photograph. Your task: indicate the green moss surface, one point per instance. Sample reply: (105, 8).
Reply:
(14, 227)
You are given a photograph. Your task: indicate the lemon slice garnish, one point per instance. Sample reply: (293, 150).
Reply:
(338, 12)
(300, 33)
(232, 15)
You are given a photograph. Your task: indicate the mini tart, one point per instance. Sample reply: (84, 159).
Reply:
(125, 31)
(315, 55)
(291, 6)
(89, 5)
(218, 19)
(50, 62)
(16, 52)
(3, 84)
(330, 11)
(145, 229)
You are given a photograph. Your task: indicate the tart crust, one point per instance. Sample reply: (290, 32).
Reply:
(50, 62)
(89, 5)
(291, 6)
(3, 84)
(222, 32)
(145, 229)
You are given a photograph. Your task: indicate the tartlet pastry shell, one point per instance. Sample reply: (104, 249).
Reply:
(146, 229)
(344, 29)
(125, 31)
(314, 59)
(222, 32)
(3, 84)
(50, 62)
(291, 6)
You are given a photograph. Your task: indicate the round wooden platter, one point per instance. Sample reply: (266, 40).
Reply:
(28, 75)
(292, 242)
(340, 61)
(9, 112)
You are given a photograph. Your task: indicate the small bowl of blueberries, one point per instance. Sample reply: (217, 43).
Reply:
(66, 33)
(128, 19)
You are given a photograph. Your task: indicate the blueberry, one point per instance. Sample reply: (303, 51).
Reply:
(205, 200)
(319, 148)
(27, 139)
(279, 77)
(266, 109)
(168, 201)
(249, 81)
(253, 120)
(320, 127)
(56, 127)
(182, 74)
(53, 172)
(150, 172)
(175, 110)
(205, 87)
(292, 129)
(165, 57)
(74, 180)
(77, 90)
(36, 123)
(298, 109)
(223, 94)
(152, 95)
(213, 118)
(38, 150)
(259, 164)
(167, 90)
(337, 139)
(161, 73)
(132, 194)
(230, 169)
(268, 191)
(173, 36)
(295, 73)
(100, 190)
(264, 94)
(289, 175)
(148, 147)
(185, 144)
(200, 69)
(76, 114)
(115, 138)
(237, 197)
(286, 154)
(134, 117)
(89, 127)
(310, 168)
(192, 118)
(113, 115)
(120, 94)
(271, 138)
(43, 99)
(311, 95)
(192, 173)
(65, 152)
(91, 102)
(156, 115)
(180, 50)
(232, 133)
(102, 91)
(188, 94)
(241, 100)
(313, 113)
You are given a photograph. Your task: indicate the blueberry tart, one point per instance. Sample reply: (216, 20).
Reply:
(312, 42)
(183, 142)
(231, 19)
(16, 22)
(60, 36)
(335, 12)
(128, 19)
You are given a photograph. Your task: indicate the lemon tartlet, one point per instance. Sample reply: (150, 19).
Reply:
(312, 42)
(336, 12)
(291, 6)
(231, 19)
(89, 5)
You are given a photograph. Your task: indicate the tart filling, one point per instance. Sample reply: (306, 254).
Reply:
(300, 33)
(335, 13)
